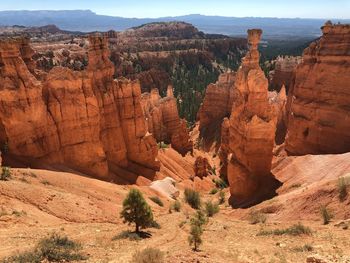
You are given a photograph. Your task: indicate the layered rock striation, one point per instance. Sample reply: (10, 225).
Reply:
(163, 120)
(284, 72)
(217, 105)
(83, 120)
(248, 135)
(319, 119)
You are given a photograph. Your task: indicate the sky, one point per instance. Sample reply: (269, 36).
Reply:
(160, 8)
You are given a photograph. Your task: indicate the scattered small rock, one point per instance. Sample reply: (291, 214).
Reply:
(315, 259)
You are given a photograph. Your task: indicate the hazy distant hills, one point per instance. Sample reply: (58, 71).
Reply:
(86, 21)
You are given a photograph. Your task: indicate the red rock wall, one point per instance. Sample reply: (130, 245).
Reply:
(319, 119)
(284, 72)
(83, 120)
(164, 122)
(216, 106)
(25, 124)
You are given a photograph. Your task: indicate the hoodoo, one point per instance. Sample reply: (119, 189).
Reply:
(319, 119)
(164, 122)
(248, 135)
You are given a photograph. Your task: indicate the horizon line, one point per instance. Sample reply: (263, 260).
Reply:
(193, 14)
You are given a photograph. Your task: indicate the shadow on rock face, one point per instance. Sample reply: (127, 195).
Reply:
(266, 189)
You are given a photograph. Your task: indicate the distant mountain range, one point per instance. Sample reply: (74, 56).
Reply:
(87, 21)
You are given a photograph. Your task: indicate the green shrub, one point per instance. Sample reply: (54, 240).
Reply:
(175, 206)
(19, 213)
(192, 197)
(326, 215)
(148, 255)
(136, 210)
(59, 248)
(127, 235)
(221, 184)
(221, 197)
(155, 224)
(294, 230)
(25, 257)
(45, 182)
(157, 200)
(182, 223)
(162, 145)
(211, 209)
(296, 185)
(212, 170)
(305, 248)
(342, 188)
(213, 191)
(256, 217)
(3, 212)
(5, 173)
(55, 248)
(24, 180)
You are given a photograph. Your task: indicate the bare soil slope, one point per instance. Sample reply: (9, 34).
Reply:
(35, 203)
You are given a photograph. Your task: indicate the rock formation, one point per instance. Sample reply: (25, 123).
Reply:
(248, 135)
(284, 72)
(217, 105)
(82, 120)
(201, 167)
(279, 103)
(319, 120)
(164, 122)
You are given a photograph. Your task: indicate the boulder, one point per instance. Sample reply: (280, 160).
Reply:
(201, 167)
(166, 187)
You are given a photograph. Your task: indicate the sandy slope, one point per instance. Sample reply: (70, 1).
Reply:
(38, 202)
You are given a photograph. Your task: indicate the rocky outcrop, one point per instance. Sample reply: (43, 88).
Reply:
(170, 29)
(248, 135)
(27, 53)
(83, 120)
(201, 167)
(279, 103)
(284, 72)
(164, 122)
(217, 105)
(319, 120)
(25, 124)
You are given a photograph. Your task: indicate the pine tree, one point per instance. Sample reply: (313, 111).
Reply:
(196, 231)
(136, 210)
(195, 236)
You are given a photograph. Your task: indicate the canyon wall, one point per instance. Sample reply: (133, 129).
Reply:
(217, 105)
(284, 72)
(319, 119)
(248, 135)
(83, 120)
(163, 120)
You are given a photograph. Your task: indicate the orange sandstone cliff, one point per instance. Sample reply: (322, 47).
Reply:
(164, 122)
(319, 119)
(248, 135)
(83, 120)
(216, 106)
